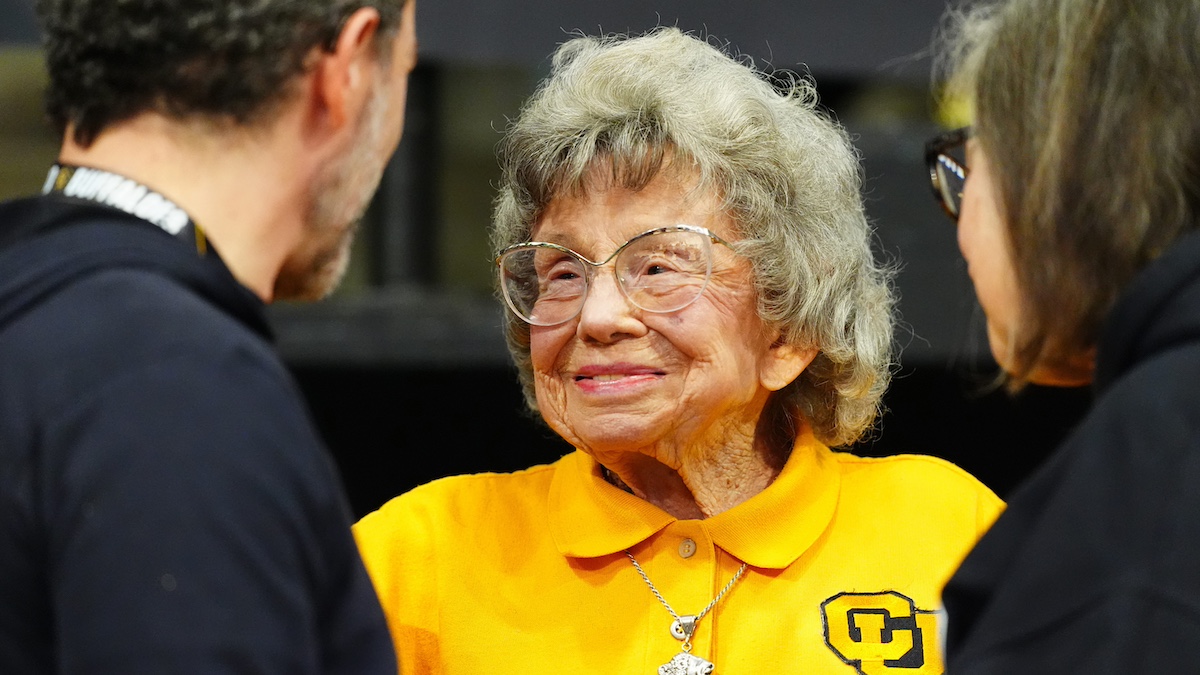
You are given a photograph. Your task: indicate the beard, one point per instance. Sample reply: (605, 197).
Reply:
(341, 192)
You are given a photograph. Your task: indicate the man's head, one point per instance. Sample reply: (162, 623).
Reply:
(325, 80)
(341, 189)
(223, 60)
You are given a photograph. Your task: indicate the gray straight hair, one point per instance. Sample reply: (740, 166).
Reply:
(1087, 113)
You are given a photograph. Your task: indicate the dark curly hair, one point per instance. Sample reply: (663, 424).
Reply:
(230, 60)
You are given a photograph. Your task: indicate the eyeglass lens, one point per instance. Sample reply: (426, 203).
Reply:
(951, 176)
(658, 272)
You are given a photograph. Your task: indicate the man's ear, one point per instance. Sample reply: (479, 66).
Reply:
(344, 76)
(783, 363)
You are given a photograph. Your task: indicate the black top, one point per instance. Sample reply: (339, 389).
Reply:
(1095, 566)
(165, 503)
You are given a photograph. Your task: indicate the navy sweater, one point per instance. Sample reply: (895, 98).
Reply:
(165, 503)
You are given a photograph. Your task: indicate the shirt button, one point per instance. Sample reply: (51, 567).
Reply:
(687, 548)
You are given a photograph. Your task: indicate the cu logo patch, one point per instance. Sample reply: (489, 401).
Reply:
(882, 634)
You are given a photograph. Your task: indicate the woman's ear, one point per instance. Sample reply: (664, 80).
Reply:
(783, 363)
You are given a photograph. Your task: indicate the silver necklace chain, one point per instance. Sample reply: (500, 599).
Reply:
(687, 640)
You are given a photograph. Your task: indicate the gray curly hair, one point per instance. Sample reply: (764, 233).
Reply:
(787, 175)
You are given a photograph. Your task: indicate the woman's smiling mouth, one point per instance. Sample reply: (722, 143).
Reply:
(614, 377)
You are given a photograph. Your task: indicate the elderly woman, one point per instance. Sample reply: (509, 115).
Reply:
(695, 308)
(1078, 221)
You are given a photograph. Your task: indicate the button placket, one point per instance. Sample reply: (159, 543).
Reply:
(688, 567)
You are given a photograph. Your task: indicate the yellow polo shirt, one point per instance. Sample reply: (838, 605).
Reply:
(526, 572)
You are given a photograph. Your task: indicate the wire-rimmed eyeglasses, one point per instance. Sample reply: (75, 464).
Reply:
(946, 158)
(660, 270)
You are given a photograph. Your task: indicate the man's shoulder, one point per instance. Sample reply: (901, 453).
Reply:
(123, 303)
(76, 260)
(117, 322)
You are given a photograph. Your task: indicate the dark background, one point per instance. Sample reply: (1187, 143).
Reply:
(406, 369)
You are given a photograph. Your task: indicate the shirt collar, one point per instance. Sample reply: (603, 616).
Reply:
(590, 518)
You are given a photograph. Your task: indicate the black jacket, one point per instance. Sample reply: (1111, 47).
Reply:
(165, 503)
(1095, 566)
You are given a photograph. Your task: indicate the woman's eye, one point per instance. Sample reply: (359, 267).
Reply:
(659, 265)
(564, 275)
(561, 268)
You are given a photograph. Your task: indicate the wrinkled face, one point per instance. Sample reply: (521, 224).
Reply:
(617, 379)
(343, 189)
(984, 244)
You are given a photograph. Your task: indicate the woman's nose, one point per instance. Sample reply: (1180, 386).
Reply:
(607, 315)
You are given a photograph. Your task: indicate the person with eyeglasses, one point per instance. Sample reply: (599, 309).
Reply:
(694, 307)
(1077, 199)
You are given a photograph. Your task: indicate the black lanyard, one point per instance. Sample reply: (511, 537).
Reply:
(96, 186)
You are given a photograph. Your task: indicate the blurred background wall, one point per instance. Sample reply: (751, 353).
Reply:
(405, 367)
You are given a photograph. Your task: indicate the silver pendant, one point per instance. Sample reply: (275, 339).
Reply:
(683, 627)
(686, 664)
